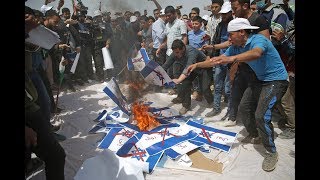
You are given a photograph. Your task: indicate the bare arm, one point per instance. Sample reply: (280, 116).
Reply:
(157, 4)
(185, 39)
(250, 55)
(180, 79)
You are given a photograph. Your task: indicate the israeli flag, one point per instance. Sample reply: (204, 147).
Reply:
(113, 91)
(104, 127)
(182, 148)
(101, 116)
(99, 128)
(139, 60)
(163, 112)
(163, 137)
(216, 138)
(134, 151)
(153, 73)
(116, 138)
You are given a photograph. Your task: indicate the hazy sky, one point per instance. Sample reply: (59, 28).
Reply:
(132, 5)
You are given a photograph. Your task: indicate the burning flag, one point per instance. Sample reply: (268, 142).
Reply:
(153, 73)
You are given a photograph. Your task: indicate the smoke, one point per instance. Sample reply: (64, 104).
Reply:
(119, 5)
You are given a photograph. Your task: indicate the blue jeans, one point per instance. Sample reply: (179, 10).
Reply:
(221, 81)
(261, 98)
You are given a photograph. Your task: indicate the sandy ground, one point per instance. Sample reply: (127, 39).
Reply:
(243, 161)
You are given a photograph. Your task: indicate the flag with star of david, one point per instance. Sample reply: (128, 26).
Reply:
(153, 73)
(116, 137)
(113, 91)
(131, 150)
(216, 138)
(139, 60)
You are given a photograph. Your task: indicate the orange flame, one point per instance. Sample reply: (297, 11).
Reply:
(145, 120)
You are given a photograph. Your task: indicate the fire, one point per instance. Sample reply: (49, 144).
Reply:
(145, 120)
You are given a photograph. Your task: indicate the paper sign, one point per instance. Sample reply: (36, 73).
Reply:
(43, 37)
(108, 64)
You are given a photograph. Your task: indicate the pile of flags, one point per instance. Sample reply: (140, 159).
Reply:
(175, 136)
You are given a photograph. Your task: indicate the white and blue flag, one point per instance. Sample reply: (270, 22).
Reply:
(113, 91)
(182, 148)
(131, 150)
(217, 138)
(153, 73)
(163, 137)
(116, 137)
(139, 60)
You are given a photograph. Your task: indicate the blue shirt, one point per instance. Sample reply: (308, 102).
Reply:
(196, 38)
(269, 67)
(224, 37)
(158, 33)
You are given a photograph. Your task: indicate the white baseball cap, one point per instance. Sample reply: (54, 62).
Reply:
(226, 7)
(162, 12)
(133, 19)
(45, 8)
(240, 23)
(205, 17)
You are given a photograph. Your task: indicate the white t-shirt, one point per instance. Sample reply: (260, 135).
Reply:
(174, 31)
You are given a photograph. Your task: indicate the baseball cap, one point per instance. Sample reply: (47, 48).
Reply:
(133, 19)
(226, 7)
(162, 12)
(240, 23)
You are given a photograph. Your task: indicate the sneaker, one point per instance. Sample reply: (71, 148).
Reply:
(55, 128)
(212, 113)
(172, 92)
(270, 161)
(228, 123)
(288, 133)
(183, 110)
(251, 139)
(59, 137)
(176, 100)
(197, 96)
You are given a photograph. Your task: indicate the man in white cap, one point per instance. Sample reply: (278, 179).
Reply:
(158, 35)
(257, 51)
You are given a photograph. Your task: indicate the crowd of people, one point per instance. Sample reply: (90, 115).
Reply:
(245, 49)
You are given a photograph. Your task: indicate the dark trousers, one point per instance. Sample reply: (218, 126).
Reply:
(263, 97)
(43, 98)
(243, 77)
(84, 66)
(184, 89)
(161, 59)
(98, 62)
(48, 148)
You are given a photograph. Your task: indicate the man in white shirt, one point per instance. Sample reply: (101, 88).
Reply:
(158, 36)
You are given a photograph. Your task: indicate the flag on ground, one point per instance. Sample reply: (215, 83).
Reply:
(216, 138)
